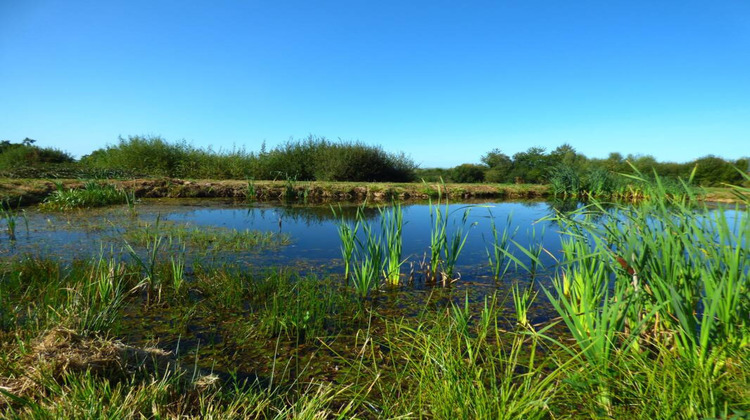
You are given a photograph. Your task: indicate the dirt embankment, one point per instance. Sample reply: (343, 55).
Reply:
(31, 191)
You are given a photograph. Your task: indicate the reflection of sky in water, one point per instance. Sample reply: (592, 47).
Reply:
(315, 241)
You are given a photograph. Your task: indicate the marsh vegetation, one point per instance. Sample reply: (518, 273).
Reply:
(601, 310)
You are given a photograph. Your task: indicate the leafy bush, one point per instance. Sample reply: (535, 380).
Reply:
(468, 173)
(313, 158)
(25, 154)
(148, 155)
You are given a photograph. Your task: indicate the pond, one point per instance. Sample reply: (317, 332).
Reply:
(311, 231)
(263, 295)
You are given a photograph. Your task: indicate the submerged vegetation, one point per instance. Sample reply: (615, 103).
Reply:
(651, 319)
(203, 238)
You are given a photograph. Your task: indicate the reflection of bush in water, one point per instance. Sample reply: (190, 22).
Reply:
(317, 214)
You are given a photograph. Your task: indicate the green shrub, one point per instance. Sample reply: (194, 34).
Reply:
(313, 158)
(468, 173)
(24, 155)
(147, 155)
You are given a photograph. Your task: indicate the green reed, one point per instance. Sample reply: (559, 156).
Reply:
(97, 302)
(392, 220)
(369, 262)
(177, 265)
(374, 254)
(497, 257)
(662, 275)
(445, 248)
(348, 236)
(9, 215)
(522, 301)
(153, 243)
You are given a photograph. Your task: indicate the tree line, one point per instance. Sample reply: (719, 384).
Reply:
(537, 166)
(317, 158)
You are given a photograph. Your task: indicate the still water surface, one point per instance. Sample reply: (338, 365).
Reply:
(312, 229)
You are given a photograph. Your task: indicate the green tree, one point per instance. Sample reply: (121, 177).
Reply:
(530, 166)
(712, 171)
(467, 173)
(499, 166)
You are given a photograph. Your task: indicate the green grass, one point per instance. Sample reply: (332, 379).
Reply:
(661, 277)
(93, 194)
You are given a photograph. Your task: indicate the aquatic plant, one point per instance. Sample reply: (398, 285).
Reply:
(348, 236)
(205, 238)
(659, 275)
(95, 303)
(445, 249)
(374, 254)
(9, 215)
(522, 301)
(368, 262)
(177, 265)
(93, 194)
(497, 257)
(392, 220)
(151, 281)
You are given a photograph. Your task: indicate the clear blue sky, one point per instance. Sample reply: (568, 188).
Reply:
(443, 82)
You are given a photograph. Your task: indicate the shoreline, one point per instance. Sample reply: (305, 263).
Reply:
(25, 191)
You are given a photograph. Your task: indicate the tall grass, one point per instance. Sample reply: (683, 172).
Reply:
(375, 254)
(348, 236)
(391, 221)
(369, 262)
(96, 304)
(448, 366)
(151, 280)
(662, 275)
(93, 194)
(497, 256)
(445, 247)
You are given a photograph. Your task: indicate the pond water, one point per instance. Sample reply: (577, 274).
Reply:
(312, 230)
(224, 340)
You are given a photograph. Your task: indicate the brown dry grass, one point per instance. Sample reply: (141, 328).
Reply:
(61, 351)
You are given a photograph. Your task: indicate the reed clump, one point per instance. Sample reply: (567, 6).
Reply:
(643, 281)
(92, 194)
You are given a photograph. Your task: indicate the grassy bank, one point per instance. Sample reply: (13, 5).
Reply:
(30, 191)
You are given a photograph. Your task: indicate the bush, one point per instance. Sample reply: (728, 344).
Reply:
(21, 155)
(146, 155)
(468, 173)
(310, 159)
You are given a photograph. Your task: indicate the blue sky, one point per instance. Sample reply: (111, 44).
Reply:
(441, 81)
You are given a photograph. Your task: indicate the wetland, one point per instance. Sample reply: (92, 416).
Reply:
(439, 309)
